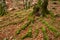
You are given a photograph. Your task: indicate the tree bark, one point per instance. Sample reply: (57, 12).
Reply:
(2, 7)
(27, 3)
(41, 8)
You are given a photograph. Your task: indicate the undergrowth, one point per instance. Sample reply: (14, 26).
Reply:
(28, 34)
(51, 28)
(45, 36)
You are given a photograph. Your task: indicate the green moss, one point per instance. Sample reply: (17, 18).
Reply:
(28, 34)
(18, 31)
(49, 26)
(44, 33)
(57, 35)
(31, 14)
(31, 19)
(36, 32)
(25, 25)
(52, 16)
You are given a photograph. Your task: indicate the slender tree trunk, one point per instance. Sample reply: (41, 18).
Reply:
(2, 7)
(27, 3)
(41, 8)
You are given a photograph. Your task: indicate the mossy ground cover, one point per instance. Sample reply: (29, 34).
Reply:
(22, 25)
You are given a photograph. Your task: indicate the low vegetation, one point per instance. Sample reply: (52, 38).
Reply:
(25, 21)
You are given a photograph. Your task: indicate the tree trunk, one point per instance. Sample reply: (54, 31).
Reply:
(27, 3)
(2, 7)
(41, 8)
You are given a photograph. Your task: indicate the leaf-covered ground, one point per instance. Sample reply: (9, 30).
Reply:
(21, 25)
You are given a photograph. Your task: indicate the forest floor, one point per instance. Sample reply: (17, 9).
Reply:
(16, 24)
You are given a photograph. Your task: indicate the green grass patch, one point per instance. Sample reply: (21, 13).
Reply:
(57, 35)
(18, 31)
(36, 32)
(49, 26)
(31, 19)
(52, 16)
(31, 14)
(53, 29)
(25, 25)
(28, 34)
(44, 33)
